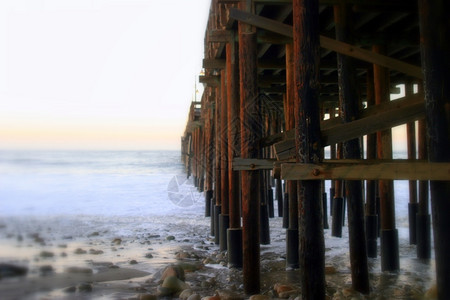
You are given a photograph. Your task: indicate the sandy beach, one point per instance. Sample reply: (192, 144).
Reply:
(87, 257)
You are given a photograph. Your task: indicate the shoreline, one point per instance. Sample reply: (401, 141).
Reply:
(124, 257)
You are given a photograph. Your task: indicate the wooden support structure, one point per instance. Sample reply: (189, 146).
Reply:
(224, 176)
(436, 68)
(307, 141)
(250, 134)
(234, 234)
(423, 218)
(292, 236)
(266, 56)
(371, 203)
(366, 170)
(349, 103)
(217, 174)
(411, 149)
(390, 260)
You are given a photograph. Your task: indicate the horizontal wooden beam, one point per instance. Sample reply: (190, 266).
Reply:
(373, 119)
(250, 164)
(210, 80)
(328, 43)
(263, 37)
(219, 36)
(213, 63)
(367, 170)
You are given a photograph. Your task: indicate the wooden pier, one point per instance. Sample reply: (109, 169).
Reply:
(284, 80)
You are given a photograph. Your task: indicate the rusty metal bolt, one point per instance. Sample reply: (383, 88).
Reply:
(316, 172)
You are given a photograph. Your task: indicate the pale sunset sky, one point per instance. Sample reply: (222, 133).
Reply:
(98, 74)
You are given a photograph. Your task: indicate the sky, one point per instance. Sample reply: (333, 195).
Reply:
(98, 74)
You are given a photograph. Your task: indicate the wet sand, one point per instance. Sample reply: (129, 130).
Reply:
(88, 257)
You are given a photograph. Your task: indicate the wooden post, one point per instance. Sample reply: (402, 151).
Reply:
(338, 201)
(411, 146)
(292, 258)
(250, 134)
(371, 203)
(209, 154)
(423, 218)
(224, 196)
(349, 103)
(434, 27)
(307, 140)
(218, 187)
(389, 236)
(234, 234)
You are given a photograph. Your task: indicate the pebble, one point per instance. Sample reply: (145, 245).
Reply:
(9, 270)
(46, 254)
(173, 270)
(285, 291)
(80, 251)
(149, 255)
(117, 241)
(163, 291)
(170, 238)
(85, 287)
(95, 252)
(147, 297)
(215, 297)
(229, 295)
(185, 294)
(45, 270)
(174, 284)
(194, 297)
(182, 255)
(70, 289)
(133, 262)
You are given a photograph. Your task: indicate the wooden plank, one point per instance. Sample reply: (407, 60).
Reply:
(219, 36)
(367, 170)
(212, 63)
(383, 116)
(210, 80)
(330, 44)
(250, 164)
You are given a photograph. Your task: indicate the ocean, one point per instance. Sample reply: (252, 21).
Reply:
(84, 199)
(110, 183)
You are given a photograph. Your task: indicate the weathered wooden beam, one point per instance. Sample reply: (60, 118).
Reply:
(210, 80)
(263, 36)
(250, 164)
(367, 170)
(219, 36)
(379, 117)
(213, 63)
(372, 123)
(328, 43)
